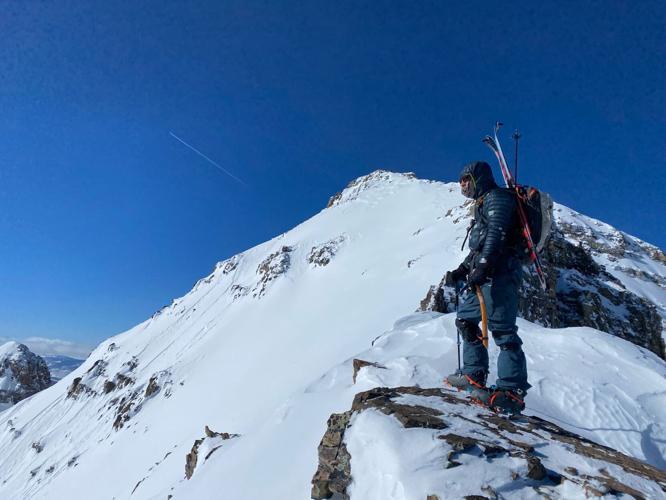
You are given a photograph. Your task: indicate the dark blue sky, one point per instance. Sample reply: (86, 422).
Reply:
(106, 217)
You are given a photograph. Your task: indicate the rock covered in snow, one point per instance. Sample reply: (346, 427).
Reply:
(435, 443)
(22, 373)
(357, 186)
(271, 268)
(204, 447)
(321, 255)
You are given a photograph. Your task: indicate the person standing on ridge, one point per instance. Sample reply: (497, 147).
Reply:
(493, 264)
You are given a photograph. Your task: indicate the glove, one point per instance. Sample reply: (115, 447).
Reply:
(459, 274)
(478, 276)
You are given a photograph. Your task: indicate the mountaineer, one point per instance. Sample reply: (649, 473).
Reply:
(492, 271)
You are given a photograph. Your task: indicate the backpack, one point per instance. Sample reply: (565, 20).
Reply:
(538, 207)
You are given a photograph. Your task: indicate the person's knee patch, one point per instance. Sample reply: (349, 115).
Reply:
(469, 331)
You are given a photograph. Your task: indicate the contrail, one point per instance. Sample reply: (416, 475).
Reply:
(213, 162)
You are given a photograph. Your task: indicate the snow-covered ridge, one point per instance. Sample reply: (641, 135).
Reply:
(262, 349)
(379, 179)
(11, 350)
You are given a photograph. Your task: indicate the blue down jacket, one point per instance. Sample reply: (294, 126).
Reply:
(494, 233)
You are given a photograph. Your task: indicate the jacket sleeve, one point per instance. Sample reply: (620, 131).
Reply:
(499, 208)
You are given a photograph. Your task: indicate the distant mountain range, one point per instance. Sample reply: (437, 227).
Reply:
(60, 366)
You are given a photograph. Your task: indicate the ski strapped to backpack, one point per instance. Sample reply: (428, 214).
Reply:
(535, 209)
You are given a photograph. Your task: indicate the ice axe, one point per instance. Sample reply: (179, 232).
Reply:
(484, 317)
(484, 313)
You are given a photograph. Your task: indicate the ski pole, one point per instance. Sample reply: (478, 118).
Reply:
(484, 317)
(458, 331)
(516, 136)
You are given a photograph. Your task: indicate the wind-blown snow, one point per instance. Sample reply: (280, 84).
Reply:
(263, 347)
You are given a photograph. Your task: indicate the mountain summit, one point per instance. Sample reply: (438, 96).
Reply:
(22, 373)
(230, 387)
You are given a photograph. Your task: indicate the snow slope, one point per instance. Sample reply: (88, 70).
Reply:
(262, 348)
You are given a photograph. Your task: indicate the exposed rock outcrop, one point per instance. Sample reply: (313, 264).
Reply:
(132, 402)
(333, 475)
(22, 373)
(321, 255)
(357, 364)
(272, 267)
(469, 433)
(205, 447)
(581, 292)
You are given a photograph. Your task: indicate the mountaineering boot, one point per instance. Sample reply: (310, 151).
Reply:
(463, 382)
(500, 400)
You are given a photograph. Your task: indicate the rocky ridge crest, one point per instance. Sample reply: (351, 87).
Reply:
(532, 456)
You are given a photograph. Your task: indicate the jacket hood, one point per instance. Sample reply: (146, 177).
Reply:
(482, 177)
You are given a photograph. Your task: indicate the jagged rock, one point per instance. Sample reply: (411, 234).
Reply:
(97, 369)
(131, 364)
(535, 469)
(357, 364)
(109, 386)
(122, 380)
(322, 255)
(78, 388)
(238, 291)
(209, 444)
(275, 265)
(152, 387)
(408, 415)
(22, 373)
(480, 429)
(131, 403)
(123, 411)
(333, 475)
(191, 458)
(439, 298)
(37, 446)
(231, 264)
(458, 443)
